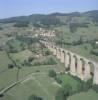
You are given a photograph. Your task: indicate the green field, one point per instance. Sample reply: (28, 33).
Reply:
(4, 60)
(89, 95)
(67, 79)
(38, 83)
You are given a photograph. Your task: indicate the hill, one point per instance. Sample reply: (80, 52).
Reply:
(52, 19)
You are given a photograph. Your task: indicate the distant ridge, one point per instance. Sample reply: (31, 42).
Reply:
(39, 17)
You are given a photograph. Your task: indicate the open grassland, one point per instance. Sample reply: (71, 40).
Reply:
(10, 75)
(7, 78)
(37, 83)
(89, 95)
(68, 80)
(42, 85)
(4, 61)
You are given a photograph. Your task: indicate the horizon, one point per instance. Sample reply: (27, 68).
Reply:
(47, 13)
(15, 8)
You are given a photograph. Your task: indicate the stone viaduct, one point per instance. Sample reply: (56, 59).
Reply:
(74, 64)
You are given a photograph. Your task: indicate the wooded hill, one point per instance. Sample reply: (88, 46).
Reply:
(56, 19)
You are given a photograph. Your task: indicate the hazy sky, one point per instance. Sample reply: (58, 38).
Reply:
(10, 8)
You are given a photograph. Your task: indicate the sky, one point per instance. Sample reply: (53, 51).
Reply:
(10, 8)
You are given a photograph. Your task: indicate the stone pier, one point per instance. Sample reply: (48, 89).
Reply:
(58, 53)
(95, 79)
(62, 56)
(67, 60)
(72, 66)
(79, 69)
(87, 71)
(54, 50)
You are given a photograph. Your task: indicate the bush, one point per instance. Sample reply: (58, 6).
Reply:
(37, 63)
(34, 97)
(30, 59)
(52, 73)
(50, 61)
(94, 52)
(10, 66)
(58, 80)
(73, 26)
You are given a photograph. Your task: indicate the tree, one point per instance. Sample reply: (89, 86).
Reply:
(30, 59)
(21, 24)
(52, 73)
(18, 70)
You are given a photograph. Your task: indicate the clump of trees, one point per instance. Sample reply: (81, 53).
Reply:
(52, 73)
(30, 59)
(48, 61)
(73, 26)
(47, 21)
(26, 39)
(20, 43)
(21, 24)
(50, 20)
(47, 52)
(58, 80)
(64, 92)
(84, 86)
